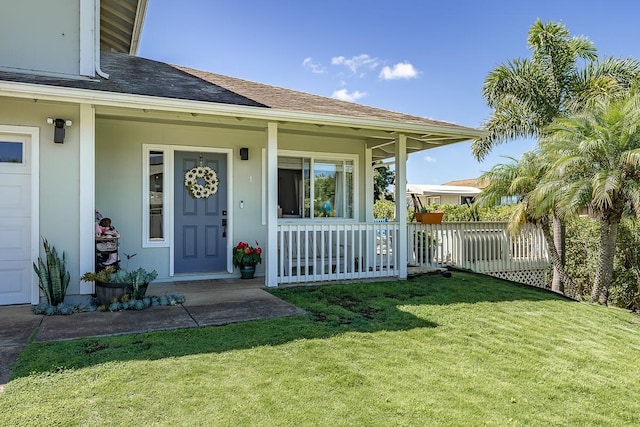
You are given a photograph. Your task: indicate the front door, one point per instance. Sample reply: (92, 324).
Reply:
(15, 219)
(200, 234)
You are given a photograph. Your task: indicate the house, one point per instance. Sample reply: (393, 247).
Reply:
(428, 194)
(469, 182)
(86, 126)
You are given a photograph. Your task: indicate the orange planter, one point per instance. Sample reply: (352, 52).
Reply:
(429, 217)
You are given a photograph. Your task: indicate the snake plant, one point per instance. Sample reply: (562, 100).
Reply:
(52, 274)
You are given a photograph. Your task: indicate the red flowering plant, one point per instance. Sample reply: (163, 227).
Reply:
(244, 255)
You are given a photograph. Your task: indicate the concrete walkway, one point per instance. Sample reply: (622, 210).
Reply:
(213, 302)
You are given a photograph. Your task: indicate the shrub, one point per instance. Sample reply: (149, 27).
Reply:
(582, 243)
(625, 289)
(384, 209)
(581, 254)
(461, 213)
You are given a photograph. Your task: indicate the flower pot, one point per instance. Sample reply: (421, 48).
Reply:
(247, 271)
(142, 291)
(431, 217)
(107, 291)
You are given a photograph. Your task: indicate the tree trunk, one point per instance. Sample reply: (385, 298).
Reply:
(609, 223)
(559, 243)
(556, 260)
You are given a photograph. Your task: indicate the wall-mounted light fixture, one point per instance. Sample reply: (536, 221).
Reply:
(58, 131)
(244, 153)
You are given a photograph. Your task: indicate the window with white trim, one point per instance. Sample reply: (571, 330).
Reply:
(12, 152)
(315, 186)
(154, 209)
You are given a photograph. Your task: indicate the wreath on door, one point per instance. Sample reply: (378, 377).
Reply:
(192, 182)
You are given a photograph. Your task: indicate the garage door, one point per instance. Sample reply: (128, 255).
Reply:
(15, 219)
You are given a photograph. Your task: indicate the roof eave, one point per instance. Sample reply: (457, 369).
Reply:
(137, 26)
(145, 102)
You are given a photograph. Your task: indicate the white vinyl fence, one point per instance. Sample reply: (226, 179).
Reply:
(483, 247)
(336, 251)
(344, 251)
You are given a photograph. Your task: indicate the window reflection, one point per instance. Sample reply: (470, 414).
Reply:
(156, 195)
(11, 152)
(315, 187)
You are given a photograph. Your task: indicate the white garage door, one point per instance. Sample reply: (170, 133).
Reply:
(15, 219)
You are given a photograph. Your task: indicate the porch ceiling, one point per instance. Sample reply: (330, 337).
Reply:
(121, 24)
(381, 142)
(383, 148)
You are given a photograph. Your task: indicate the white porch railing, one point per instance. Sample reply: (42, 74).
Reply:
(336, 251)
(341, 251)
(483, 247)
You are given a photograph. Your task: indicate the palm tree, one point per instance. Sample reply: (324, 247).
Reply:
(520, 177)
(597, 166)
(526, 95)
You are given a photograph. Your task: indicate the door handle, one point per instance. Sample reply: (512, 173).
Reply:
(224, 227)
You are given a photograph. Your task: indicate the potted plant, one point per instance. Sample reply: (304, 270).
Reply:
(112, 283)
(429, 217)
(245, 257)
(418, 214)
(432, 217)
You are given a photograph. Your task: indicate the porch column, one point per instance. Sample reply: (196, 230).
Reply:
(368, 184)
(87, 216)
(401, 204)
(271, 267)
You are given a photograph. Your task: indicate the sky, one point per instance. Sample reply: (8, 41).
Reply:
(421, 57)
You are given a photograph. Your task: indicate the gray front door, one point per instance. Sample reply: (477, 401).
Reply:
(200, 237)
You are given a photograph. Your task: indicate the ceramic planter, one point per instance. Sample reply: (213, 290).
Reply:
(247, 271)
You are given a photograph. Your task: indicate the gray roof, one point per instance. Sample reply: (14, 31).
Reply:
(140, 76)
(287, 99)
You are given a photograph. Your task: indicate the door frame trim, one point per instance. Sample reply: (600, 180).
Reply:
(33, 133)
(171, 149)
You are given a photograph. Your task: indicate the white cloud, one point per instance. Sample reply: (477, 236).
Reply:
(402, 70)
(429, 159)
(356, 62)
(315, 67)
(344, 95)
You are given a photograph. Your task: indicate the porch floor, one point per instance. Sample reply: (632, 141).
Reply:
(208, 302)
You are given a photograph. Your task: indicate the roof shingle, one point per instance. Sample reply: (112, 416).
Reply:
(140, 76)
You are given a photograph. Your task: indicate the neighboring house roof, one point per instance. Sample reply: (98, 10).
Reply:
(472, 182)
(294, 110)
(437, 190)
(121, 24)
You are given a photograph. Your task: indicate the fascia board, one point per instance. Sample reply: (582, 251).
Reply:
(145, 102)
(137, 26)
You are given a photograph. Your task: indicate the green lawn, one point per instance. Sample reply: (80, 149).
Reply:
(464, 351)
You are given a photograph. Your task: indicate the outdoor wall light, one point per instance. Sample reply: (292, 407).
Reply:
(58, 131)
(244, 153)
